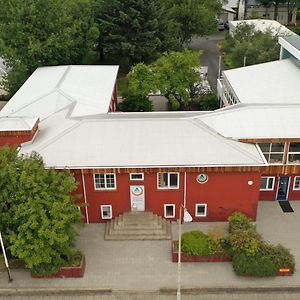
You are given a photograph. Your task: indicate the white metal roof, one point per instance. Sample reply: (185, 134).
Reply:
(255, 121)
(264, 25)
(17, 124)
(136, 142)
(272, 82)
(50, 89)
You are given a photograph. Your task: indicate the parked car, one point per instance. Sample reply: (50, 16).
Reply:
(221, 26)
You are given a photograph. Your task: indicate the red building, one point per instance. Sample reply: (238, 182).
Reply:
(212, 163)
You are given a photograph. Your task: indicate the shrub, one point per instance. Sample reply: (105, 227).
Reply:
(239, 221)
(245, 241)
(258, 265)
(197, 243)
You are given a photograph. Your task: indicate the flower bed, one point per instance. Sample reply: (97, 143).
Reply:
(216, 257)
(66, 272)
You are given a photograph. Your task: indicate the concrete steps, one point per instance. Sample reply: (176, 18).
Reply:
(138, 226)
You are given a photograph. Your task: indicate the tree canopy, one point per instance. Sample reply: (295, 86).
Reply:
(174, 74)
(37, 212)
(37, 33)
(250, 46)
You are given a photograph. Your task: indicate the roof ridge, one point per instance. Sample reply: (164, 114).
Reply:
(62, 79)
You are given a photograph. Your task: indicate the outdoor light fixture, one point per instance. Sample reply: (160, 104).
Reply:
(250, 182)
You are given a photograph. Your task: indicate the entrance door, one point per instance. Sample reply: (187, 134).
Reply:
(137, 197)
(283, 188)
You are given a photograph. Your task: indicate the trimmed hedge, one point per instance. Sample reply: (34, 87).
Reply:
(198, 243)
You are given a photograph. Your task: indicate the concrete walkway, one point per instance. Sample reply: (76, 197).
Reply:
(147, 266)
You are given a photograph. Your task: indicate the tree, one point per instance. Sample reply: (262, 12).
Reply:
(193, 17)
(136, 103)
(37, 211)
(133, 30)
(174, 74)
(250, 46)
(266, 4)
(36, 33)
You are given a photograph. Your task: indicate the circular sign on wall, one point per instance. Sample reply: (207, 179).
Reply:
(202, 178)
(137, 191)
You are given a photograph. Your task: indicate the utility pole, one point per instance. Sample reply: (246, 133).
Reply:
(5, 258)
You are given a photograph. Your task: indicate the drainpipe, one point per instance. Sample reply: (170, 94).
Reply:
(84, 197)
(184, 191)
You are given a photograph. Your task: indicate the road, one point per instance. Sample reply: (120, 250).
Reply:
(210, 56)
(155, 296)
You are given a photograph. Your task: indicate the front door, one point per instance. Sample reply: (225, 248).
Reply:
(283, 188)
(137, 197)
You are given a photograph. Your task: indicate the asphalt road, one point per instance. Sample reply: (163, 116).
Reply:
(211, 54)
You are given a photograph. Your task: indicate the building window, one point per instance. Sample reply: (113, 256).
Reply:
(201, 210)
(136, 176)
(169, 210)
(105, 181)
(296, 185)
(168, 180)
(267, 183)
(294, 153)
(273, 152)
(106, 211)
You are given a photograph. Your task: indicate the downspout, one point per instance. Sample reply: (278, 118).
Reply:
(184, 191)
(84, 197)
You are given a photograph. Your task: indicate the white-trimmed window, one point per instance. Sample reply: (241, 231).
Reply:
(168, 180)
(136, 176)
(169, 210)
(296, 185)
(105, 181)
(294, 153)
(201, 210)
(267, 183)
(106, 212)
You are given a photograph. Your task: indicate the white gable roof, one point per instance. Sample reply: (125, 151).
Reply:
(50, 89)
(136, 142)
(17, 124)
(272, 82)
(255, 121)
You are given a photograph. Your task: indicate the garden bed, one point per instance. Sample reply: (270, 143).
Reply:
(216, 257)
(66, 272)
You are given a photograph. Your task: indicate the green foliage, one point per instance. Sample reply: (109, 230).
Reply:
(193, 17)
(136, 103)
(295, 29)
(258, 265)
(36, 33)
(136, 30)
(251, 255)
(208, 102)
(238, 221)
(246, 42)
(37, 211)
(164, 75)
(198, 243)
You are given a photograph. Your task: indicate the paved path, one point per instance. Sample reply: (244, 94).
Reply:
(147, 266)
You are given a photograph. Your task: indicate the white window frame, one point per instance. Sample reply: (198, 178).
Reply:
(291, 153)
(294, 183)
(168, 187)
(104, 217)
(268, 178)
(165, 211)
(205, 210)
(135, 179)
(105, 182)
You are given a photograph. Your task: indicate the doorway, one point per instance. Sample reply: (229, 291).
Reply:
(283, 188)
(137, 197)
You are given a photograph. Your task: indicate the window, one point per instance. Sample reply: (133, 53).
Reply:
(168, 180)
(294, 153)
(105, 181)
(296, 185)
(169, 210)
(106, 211)
(136, 176)
(201, 210)
(267, 183)
(273, 152)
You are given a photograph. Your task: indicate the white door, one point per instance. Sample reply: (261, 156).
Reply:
(137, 197)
